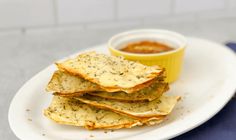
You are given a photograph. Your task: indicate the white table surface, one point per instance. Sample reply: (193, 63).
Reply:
(24, 53)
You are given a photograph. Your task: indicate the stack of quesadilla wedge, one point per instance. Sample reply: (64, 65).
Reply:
(97, 91)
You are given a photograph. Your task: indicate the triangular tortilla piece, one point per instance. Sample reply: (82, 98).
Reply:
(67, 85)
(147, 94)
(64, 83)
(73, 112)
(157, 107)
(111, 73)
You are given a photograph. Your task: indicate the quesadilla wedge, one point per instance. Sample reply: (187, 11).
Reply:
(111, 73)
(157, 107)
(66, 85)
(73, 112)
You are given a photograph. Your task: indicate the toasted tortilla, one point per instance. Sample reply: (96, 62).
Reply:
(73, 112)
(67, 85)
(157, 107)
(111, 73)
(147, 94)
(64, 84)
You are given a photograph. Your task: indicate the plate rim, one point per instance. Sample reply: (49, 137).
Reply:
(231, 90)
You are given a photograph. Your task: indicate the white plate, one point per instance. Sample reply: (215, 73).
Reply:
(207, 83)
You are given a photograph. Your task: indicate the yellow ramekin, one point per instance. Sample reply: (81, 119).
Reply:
(172, 60)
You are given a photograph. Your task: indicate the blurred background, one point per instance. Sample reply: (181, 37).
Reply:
(35, 33)
(26, 15)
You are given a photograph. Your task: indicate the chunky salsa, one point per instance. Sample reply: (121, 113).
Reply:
(146, 47)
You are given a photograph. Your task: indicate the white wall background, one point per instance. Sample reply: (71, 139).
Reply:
(24, 14)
